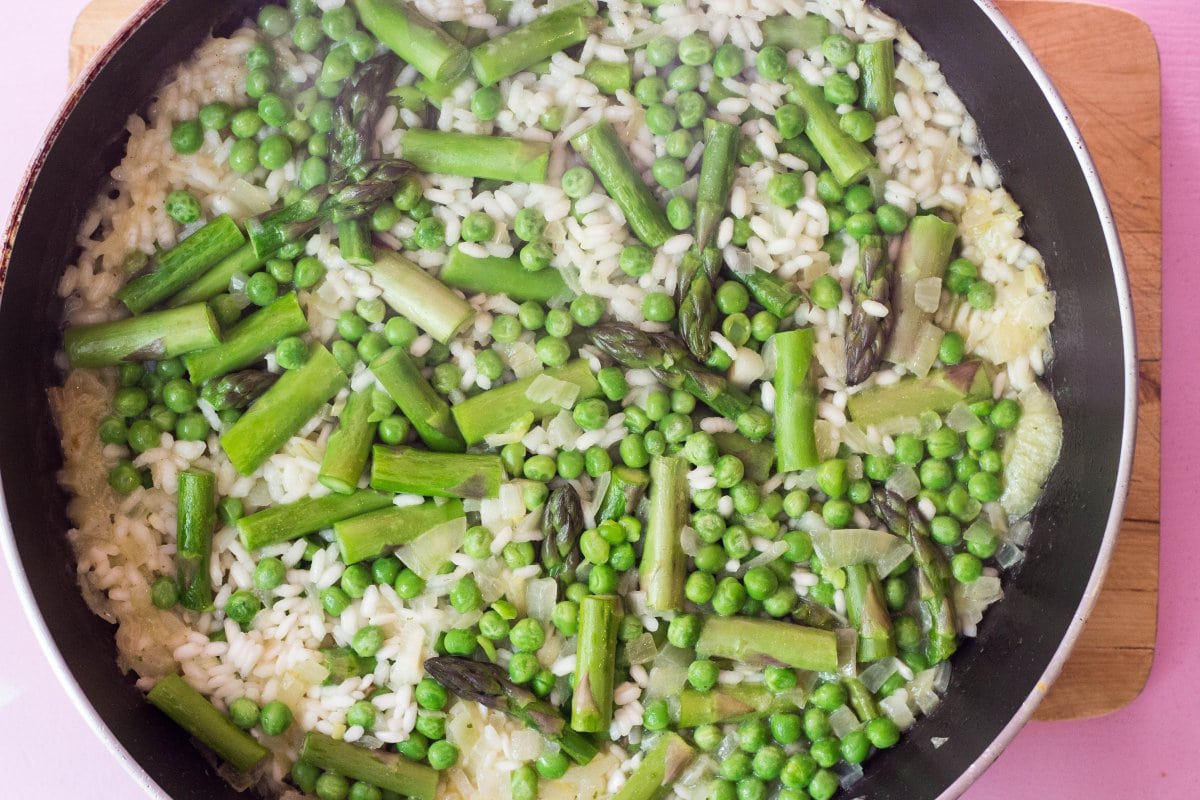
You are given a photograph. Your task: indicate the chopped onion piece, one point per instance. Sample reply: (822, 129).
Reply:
(515, 433)
(812, 522)
(857, 440)
(669, 673)
(843, 720)
(929, 341)
(527, 744)
(641, 650)
(545, 389)
(980, 531)
(563, 430)
(895, 706)
(247, 198)
(904, 482)
(1020, 532)
(747, 367)
(841, 548)
(426, 554)
(848, 774)
(927, 294)
(847, 651)
(926, 700)
(540, 596)
(997, 516)
(522, 359)
(827, 439)
(984, 590)
(690, 542)
(961, 418)
(773, 551)
(938, 741)
(874, 676)
(1009, 555)
(941, 677)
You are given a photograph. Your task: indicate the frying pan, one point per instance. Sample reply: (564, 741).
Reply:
(998, 678)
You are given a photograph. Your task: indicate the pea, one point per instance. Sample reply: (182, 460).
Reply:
(909, 449)
(635, 260)
(669, 172)
(587, 310)
(772, 62)
(408, 584)
(523, 784)
(457, 642)
(981, 295)
(658, 307)
(648, 91)
(984, 487)
(552, 764)
(661, 51)
(578, 182)
(187, 136)
(785, 189)
(274, 21)
(661, 119)
(761, 582)
(728, 61)
(691, 108)
(529, 224)
(961, 275)
(243, 156)
(307, 34)
(826, 292)
(841, 89)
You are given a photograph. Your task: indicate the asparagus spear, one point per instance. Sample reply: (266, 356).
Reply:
(861, 699)
(494, 275)
(938, 391)
(419, 297)
(355, 244)
(733, 703)
(196, 516)
(497, 410)
(716, 180)
(425, 409)
(937, 607)
(183, 264)
(661, 766)
(877, 61)
(595, 663)
(149, 337)
(562, 524)
(192, 712)
(216, 280)
(330, 203)
(795, 401)
(769, 291)
(489, 684)
(847, 159)
(672, 364)
(392, 773)
(867, 334)
(925, 254)
(470, 155)
(368, 535)
(868, 614)
(415, 38)
(356, 112)
(523, 47)
(602, 149)
(625, 489)
(610, 77)
(238, 389)
(761, 642)
(664, 565)
(348, 448)
(277, 415)
(696, 298)
(795, 33)
(249, 340)
(410, 471)
(276, 524)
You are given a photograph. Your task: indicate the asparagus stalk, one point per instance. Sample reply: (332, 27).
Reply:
(661, 766)
(867, 334)
(249, 340)
(354, 243)
(847, 159)
(861, 699)
(795, 401)
(494, 275)
(672, 365)
(472, 155)
(426, 410)
(497, 410)
(419, 297)
(595, 663)
(664, 566)
(183, 264)
(602, 149)
(238, 389)
(625, 489)
(523, 47)
(938, 392)
(277, 415)
(216, 280)
(489, 684)
(933, 572)
(697, 314)
(350, 445)
(761, 642)
(192, 712)
(925, 254)
(716, 180)
(356, 114)
(732, 703)
(276, 524)
(868, 614)
(415, 38)
(392, 773)
(410, 471)
(149, 337)
(562, 524)
(369, 535)
(196, 517)
(795, 33)
(757, 457)
(769, 291)
(877, 61)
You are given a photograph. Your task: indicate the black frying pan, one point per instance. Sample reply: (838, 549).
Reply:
(998, 678)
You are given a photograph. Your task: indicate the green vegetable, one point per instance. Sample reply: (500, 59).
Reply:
(149, 337)
(411, 471)
(925, 254)
(401, 378)
(662, 764)
(847, 159)
(195, 521)
(592, 702)
(663, 567)
(415, 38)
(477, 156)
(534, 42)
(188, 708)
(249, 340)
(760, 642)
(496, 410)
(938, 392)
(602, 149)
(183, 264)
(795, 401)
(494, 275)
(394, 773)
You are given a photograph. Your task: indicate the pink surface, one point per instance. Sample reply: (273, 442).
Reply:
(1145, 750)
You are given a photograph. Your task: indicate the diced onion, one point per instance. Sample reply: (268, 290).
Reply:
(669, 673)
(1020, 532)
(545, 389)
(858, 441)
(773, 551)
(641, 650)
(248, 199)
(690, 542)
(874, 676)
(847, 651)
(927, 294)
(843, 720)
(904, 482)
(426, 554)
(895, 706)
(841, 548)
(540, 596)
(748, 366)
(961, 418)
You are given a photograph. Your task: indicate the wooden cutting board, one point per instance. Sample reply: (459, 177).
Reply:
(1113, 93)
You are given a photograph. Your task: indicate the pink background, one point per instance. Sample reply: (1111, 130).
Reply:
(1146, 750)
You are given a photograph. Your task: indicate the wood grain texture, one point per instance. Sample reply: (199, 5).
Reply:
(1113, 92)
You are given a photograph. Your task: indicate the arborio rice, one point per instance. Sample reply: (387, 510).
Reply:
(930, 162)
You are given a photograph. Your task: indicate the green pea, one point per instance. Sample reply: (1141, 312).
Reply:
(909, 449)
(786, 189)
(661, 51)
(587, 310)
(728, 61)
(661, 119)
(961, 275)
(772, 62)
(841, 89)
(456, 642)
(187, 136)
(242, 606)
(636, 260)
(981, 295)
(274, 20)
(307, 34)
(477, 227)
(243, 156)
(658, 307)
(430, 234)
(826, 292)
(984, 487)
(529, 224)
(669, 172)
(408, 584)
(761, 582)
(1005, 414)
